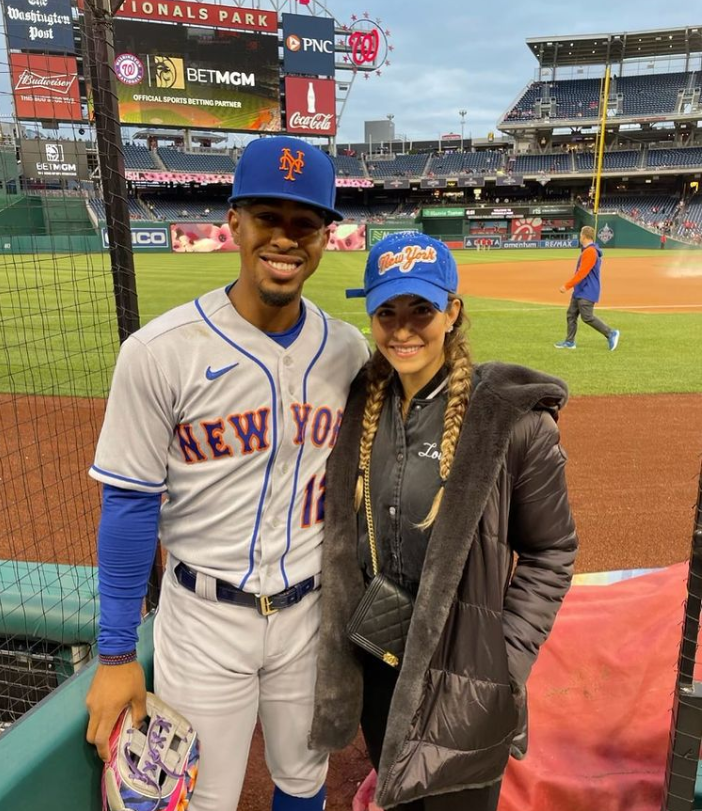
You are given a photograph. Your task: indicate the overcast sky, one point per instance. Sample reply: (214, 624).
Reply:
(471, 54)
(450, 55)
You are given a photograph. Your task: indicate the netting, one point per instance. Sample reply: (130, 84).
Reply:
(59, 334)
(683, 763)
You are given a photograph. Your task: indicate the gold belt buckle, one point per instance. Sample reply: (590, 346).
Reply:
(263, 604)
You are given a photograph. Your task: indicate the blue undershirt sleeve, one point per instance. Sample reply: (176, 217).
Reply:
(127, 538)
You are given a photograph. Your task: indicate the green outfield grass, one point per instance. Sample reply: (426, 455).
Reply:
(57, 324)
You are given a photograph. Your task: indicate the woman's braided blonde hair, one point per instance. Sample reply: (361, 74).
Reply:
(379, 376)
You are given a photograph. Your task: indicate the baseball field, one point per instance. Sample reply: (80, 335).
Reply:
(632, 429)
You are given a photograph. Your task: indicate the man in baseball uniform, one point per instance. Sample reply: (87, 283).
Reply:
(221, 416)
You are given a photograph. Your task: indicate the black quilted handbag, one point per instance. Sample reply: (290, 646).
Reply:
(381, 620)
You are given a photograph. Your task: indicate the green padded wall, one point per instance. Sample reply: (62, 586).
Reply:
(47, 765)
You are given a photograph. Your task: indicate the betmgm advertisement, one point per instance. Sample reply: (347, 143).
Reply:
(206, 78)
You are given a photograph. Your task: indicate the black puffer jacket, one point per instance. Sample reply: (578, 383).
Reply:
(476, 631)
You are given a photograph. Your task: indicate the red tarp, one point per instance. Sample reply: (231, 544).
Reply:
(600, 700)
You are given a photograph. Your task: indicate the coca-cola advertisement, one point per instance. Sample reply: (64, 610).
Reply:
(310, 106)
(45, 87)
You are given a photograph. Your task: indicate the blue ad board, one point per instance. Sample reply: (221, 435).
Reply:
(145, 238)
(39, 25)
(308, 45)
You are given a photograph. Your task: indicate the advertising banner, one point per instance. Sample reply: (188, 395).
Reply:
(433, 183)
(471, 182)
(208, 14)
(522, 244)
(559, 243)
(202, 237)
(503, 212)
(509, 180)
(308, 45)
(377, 232)
(347, 236)
(144, 238)
(310, 106)
(39, 25)
(53, 160)
(354, 182)
(156, 176)
(45, 87)
(524, 229)
(443, 212)
(540, 210)
(178, 76)
(482, 242)
(396, 183)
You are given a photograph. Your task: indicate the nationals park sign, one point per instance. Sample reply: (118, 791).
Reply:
(172, 11)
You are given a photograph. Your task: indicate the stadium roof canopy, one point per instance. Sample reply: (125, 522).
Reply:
(601, 49)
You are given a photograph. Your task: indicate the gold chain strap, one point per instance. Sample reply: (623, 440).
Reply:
(369, 519)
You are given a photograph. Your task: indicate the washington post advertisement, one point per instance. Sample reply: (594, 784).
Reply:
(206, 78)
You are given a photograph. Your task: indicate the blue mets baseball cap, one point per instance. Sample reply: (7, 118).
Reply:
(286, 168)
(408, 263)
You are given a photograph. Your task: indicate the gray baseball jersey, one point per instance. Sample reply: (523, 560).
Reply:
(235, 430)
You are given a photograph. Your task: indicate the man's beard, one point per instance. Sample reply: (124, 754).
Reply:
(277, 298)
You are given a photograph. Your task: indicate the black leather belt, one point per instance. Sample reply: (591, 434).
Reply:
(227, 593)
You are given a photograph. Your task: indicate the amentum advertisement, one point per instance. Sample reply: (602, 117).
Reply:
(207, 78)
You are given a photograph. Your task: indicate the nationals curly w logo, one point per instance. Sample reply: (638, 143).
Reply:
(364, 46)
(289, 164)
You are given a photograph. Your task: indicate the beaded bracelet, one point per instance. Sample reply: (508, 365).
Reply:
(118, 659)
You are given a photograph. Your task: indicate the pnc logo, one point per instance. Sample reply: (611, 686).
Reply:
(290, 164)
(293, 42)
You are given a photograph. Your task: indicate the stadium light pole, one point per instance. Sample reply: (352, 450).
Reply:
(463, 114)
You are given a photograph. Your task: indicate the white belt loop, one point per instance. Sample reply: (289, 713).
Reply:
(206, 586)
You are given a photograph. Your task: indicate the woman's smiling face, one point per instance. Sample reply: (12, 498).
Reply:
(410, 333)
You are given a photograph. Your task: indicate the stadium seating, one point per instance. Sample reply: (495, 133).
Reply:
(453, 164)
(664, 158)
(136, 210)
(689, 224)
(401, 166)
(138, 157)
(348, 167)
(654, 94)
(549, 164)
(612, 162)
(650, 209)
(165, 209)
(576, 98)
(177, 161)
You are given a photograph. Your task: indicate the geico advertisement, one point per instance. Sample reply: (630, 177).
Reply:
(171, 75)
(144, 239)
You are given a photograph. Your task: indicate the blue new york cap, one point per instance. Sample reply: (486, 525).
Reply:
(286, 168)
(408, 263)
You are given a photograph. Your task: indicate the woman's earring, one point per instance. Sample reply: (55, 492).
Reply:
(449, 328)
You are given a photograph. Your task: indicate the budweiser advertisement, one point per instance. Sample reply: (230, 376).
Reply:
(310, 106)
(45, 87)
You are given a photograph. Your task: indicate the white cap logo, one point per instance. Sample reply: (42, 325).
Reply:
(406, 259)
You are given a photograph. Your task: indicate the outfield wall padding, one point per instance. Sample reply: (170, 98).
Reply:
(614, 231)
(46, 762)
